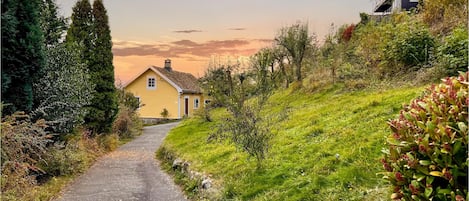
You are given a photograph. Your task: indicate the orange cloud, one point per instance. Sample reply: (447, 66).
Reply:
(131, 57)
(179, 48)
(237, 29)
(187, 31)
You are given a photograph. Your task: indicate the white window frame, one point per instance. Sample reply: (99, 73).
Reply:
(196, 103)
(148, 82)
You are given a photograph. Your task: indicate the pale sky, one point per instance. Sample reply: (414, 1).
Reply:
(146, 32)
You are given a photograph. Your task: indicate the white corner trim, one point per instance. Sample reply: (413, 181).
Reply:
(179, 105)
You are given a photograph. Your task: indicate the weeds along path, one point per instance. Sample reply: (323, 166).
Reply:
(129, 173)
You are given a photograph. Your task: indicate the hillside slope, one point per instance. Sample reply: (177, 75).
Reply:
(325, 146)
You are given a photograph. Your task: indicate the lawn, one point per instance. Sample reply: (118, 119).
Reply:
(325, 146)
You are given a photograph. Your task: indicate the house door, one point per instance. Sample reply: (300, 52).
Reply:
(186, 106)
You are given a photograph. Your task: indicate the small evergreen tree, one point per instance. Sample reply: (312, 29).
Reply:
(104, 106)
(22, 53)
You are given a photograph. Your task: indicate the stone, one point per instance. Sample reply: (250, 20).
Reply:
(177, 163)
(206, 183)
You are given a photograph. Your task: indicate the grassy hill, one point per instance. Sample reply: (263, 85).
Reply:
(325, 146)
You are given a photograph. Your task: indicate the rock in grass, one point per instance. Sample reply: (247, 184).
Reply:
(177, 164)
(206, 183)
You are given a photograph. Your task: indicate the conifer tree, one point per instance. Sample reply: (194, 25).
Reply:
(80, 30)
(52, 24)
(22, 53)
(104, 104)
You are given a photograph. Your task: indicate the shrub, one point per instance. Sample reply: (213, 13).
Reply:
(127, 123)
(64, 159)
(398, 45)
(427, 154)
(409, 46)
(23, 145)
(64, 90)
(123, 123)
(453, 53)
(444, 15)
(248, 131)
(347, 34)
(164, 113)
(109, 142)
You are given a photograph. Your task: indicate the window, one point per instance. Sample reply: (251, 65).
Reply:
(206, 102)
(151, 84)
(196, 103)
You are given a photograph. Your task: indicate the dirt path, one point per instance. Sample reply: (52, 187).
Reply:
(129, 173)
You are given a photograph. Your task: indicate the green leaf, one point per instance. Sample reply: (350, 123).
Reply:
(428, 192)
(422, 169)
(420, 177)
(431, 126)
(457, 146)
(462, 127)
(425, 162)
(392, 141)
(429, 180)
(443, 150)
(444, 191)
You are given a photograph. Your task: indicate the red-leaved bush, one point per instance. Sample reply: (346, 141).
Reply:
(427, 158)
(348, 32)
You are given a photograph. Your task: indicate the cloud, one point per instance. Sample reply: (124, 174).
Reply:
(237, 29)
(188, 48)
(188, 31)
(265, 40)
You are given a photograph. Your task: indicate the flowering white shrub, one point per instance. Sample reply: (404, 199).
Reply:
(64, 89)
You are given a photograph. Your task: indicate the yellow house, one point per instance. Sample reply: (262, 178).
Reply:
(163, 88)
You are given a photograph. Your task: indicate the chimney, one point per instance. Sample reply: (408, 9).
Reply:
(167, 65)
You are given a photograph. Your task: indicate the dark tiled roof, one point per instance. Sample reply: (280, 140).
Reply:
(186, 81)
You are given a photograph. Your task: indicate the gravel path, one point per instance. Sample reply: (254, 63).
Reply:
(129, 173)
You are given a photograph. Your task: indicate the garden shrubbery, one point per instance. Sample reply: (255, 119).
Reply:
(427, 154)
(23, 147)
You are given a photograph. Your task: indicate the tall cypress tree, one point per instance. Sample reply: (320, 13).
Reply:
(104, 104)
(52, 24)
(80, 31)
(22, 53)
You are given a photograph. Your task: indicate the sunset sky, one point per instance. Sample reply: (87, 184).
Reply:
(190, 32)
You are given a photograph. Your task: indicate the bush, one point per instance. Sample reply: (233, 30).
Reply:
(444, 15)
(453, 53)
(398, 45)
(127, 123)
(408, 47)
(248, 131)
(427, 155)
(109, 142)
(65, 159)
(164, 113)
(23, 146)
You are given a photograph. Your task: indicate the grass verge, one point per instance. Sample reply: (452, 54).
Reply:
(325, 146)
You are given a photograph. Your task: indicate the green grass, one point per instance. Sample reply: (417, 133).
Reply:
(301, 163)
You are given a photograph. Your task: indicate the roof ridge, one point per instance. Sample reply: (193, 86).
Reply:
(186, 81)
